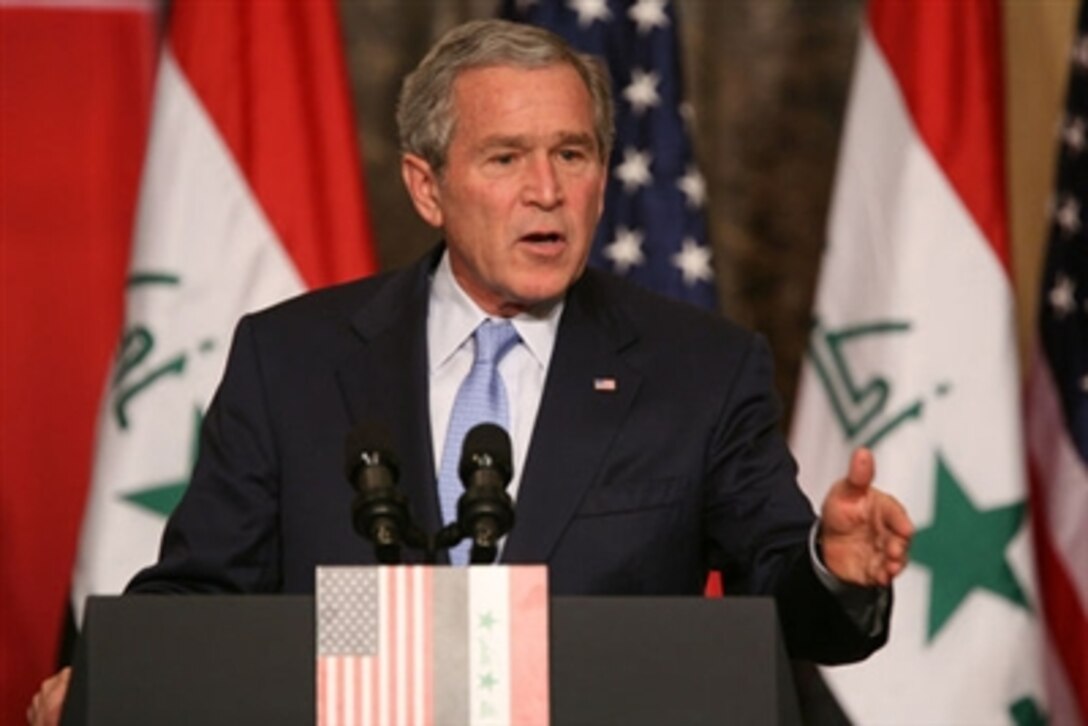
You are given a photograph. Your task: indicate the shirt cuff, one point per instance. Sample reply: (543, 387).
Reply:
(866, 606)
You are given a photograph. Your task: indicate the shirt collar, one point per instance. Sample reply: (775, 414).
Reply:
(452, 316)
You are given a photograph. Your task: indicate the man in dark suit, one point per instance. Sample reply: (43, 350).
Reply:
(645, 433)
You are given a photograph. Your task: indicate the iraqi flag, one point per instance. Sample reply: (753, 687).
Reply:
(251, 193)
(912, 353)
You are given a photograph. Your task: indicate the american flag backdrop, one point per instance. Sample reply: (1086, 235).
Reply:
(1058, 410)
(432, 645)
(654, 227)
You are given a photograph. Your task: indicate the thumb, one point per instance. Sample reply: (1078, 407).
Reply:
(862, 471)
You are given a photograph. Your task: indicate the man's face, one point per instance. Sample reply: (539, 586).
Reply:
(523, 185)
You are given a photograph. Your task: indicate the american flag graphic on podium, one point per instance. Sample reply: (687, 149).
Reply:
(432, 645)
(1057, 411)
(653, 230)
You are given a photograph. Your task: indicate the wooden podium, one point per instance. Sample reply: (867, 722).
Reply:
(150, 659)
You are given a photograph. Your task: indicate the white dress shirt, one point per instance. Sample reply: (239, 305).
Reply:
(452, 316)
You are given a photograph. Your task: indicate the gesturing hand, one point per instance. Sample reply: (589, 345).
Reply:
(864, 532)
(45, 709)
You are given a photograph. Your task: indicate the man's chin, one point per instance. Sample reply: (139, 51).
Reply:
(537, 301)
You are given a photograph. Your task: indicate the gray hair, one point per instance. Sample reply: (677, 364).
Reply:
(425, 112)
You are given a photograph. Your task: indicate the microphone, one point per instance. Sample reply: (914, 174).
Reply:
(485, 512)
(380, 511)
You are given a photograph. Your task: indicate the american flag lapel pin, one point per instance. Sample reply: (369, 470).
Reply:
(604, 384)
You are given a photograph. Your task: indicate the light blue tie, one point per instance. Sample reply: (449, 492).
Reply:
(481, 398)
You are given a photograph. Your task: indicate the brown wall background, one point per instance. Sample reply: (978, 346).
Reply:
(768, 81)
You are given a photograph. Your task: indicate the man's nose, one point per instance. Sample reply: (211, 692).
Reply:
(543, 186)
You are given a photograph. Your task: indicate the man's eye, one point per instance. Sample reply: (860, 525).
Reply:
(503, 159)
(572, 154)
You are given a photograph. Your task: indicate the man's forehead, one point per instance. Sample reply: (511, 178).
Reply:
(558, 105)
(514, 72)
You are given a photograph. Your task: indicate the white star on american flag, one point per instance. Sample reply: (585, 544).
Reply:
(626, 250)
(693, 186)
(648, 14)
(1080, 53)
(693, 261)
(1073, 134)
(641, 92)
(589, 11)
(1062, 296)
(634, 170)
(1067, 215)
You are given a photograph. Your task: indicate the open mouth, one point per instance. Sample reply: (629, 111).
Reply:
(543, 237)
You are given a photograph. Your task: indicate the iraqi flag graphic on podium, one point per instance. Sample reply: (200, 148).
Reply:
(252, 192)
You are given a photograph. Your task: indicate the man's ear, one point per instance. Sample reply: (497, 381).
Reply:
(422, 184)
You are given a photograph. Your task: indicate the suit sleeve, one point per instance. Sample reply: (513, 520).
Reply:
(224, 537)
(757, 521)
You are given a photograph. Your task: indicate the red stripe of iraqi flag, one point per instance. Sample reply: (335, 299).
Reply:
(946, 57)
(75, 84)
(271, 75)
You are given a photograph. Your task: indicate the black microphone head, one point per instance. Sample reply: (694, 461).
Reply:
(368, 443)
(487, 445)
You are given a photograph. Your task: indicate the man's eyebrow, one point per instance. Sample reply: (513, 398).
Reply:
(516, 141)
(577, 139)
(504, 141)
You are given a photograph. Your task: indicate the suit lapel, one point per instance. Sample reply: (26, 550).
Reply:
(385, 380)
(588, 392)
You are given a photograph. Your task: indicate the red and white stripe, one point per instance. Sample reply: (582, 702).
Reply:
(393, 685)
(1060, 514)
(529, 688)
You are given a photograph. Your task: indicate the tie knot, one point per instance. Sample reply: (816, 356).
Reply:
(494, 338)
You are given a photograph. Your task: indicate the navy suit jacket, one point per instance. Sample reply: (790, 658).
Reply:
(637, 490)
